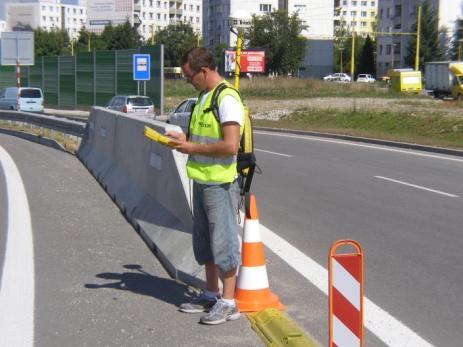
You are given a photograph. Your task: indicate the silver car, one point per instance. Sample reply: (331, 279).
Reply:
(181, 115)
(132, 104)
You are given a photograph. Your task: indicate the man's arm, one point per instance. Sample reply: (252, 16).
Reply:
(229, 144)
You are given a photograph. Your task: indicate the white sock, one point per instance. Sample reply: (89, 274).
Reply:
(229, 302)
(211, 295)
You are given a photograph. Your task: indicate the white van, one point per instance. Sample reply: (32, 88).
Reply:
(21, 99)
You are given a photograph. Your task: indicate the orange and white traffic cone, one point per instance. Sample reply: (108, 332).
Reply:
(252, 292)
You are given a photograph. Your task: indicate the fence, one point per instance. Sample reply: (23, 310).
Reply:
(89, 78)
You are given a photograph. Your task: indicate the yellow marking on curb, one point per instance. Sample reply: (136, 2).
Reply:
(276, 330)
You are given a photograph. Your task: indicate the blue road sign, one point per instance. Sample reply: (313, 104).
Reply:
(141, 67)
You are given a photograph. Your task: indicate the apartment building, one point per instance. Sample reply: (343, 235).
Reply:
(69, 15)
(398, 16)
(356, 15)
(317, 15)
(149, 16)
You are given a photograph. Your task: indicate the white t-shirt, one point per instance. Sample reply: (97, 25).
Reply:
(230, 109)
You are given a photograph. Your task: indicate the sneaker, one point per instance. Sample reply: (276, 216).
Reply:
(201, 303)
(220, 313)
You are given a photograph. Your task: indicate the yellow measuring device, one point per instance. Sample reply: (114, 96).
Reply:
(157, 137)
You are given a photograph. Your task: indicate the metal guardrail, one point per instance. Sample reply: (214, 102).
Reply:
(67, 126)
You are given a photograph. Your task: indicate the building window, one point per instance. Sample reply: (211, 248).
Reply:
(388, 50)
(265, 8)
(344, 2)
(373, 14)
(364, 13)
(197, 8)
(354, 3)
(344, 13)
(380, 49)
(381, 14)
(363, 3)
(363, 24)
(44, 8)
(373, 4)
(398, 11)
(353, 13)
(158, 4)
(388, 13)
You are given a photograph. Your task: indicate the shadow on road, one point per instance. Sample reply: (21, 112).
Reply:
(141, 282)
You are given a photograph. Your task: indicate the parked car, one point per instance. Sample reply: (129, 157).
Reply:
(25, 99)
(132, 104)
(337, 77)
(181, 115)
(365, 78)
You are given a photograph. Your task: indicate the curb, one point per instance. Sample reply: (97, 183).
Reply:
(397, 144)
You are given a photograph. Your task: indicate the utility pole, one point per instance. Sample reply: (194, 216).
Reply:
(418, 30)
(352, 57)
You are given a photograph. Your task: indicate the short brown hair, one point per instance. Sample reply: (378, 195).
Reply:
(197, 58)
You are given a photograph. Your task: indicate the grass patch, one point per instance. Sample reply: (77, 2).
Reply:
(68, 142)
(429, 129)
(290, 88)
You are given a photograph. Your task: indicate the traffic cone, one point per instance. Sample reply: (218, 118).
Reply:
(252, 292)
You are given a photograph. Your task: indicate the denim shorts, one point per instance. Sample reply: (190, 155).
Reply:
(215, 231)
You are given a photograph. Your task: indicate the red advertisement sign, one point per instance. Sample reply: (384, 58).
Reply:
(251, 61)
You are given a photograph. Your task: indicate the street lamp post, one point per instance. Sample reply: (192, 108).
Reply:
(341, 49)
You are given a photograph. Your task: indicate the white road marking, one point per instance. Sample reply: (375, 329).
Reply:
(17, 282)
(276, 153)
(356, 144)
(382, 324)
(418, 187)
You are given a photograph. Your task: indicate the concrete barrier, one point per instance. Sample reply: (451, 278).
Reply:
(148, 182)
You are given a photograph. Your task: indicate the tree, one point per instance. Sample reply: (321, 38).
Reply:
(177, 39)
(122, 36)
(366, 61)
(49, 43)
(429, 38)
(280, 36)
(456, 47)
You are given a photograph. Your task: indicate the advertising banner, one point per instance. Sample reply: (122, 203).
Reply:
(103, 12)
(251, 61)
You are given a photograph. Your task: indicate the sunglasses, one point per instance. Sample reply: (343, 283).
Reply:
(189, 78)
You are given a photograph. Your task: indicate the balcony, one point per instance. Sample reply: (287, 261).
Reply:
(176, 11)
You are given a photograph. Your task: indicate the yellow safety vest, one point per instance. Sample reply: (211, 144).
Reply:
(205, 129)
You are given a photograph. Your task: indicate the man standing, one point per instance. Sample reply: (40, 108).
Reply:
(212, 147)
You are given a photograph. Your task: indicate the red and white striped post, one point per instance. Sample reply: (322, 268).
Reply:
(18, 74)
(345, 296)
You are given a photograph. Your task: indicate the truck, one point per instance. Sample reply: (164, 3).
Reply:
(445, 79)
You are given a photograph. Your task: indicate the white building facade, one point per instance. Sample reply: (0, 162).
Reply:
(317, 15)
(2, 26)
(399, 16)
(149, 16)
(356, 15)
(47, 15)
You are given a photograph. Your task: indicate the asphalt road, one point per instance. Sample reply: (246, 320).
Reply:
(404, 207)
(96, 282)
(314, 191)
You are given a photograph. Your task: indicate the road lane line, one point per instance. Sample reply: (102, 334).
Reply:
(17, 282)
(355, 144)
(382, 324)
(418, 187)
(276, 153)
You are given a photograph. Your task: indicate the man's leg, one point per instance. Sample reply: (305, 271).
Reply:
(212, 277)
(229, 283)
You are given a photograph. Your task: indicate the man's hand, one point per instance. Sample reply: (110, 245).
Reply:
(181, 143)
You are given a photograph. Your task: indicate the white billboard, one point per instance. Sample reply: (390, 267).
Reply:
(22, 16)
(103, 12)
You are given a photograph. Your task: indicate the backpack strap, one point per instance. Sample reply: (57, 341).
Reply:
(214, 108)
